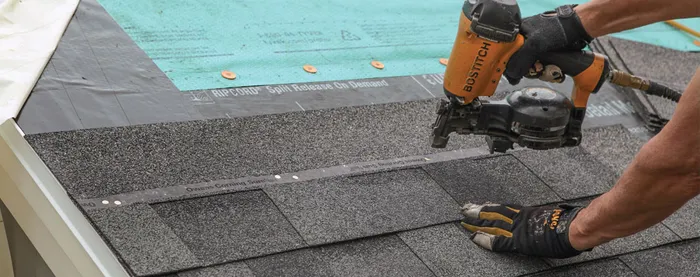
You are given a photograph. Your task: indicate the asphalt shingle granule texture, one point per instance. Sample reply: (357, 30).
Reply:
(101, 162)
(571, 172)
(676, 260)
(237, 269)
(143, 240)
(607, 268)
(382, 256)
(501, 179)
(614, 146)
(344, 208)
(447, 251)
(229, 227)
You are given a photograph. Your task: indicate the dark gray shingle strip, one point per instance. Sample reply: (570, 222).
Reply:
(230, 227)
(614, 146)
(571, 172)
(603, 268)
(380, 256)
(143, 240)
(237, 269)
(343, 208)
(500, 179)
(101, 162)
(673, 260)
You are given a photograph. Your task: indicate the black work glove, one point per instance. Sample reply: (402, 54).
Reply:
(550, 31)
(533, 231)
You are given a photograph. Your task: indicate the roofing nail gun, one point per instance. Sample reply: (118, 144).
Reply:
(535, 118)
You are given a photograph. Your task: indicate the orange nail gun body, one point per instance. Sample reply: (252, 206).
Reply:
(476, 63)
(537, 118)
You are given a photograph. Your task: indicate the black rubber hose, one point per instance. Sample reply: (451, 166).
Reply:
(663, 91)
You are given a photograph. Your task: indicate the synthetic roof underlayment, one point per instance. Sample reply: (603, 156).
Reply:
(313, 182)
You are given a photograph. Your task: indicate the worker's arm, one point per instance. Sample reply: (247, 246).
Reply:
(661, 179)
(603, 17)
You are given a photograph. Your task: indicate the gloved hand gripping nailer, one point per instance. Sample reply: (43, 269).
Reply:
(536, 118)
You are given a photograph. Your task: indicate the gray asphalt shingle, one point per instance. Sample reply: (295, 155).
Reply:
(614, 146)
(501, 179)
(143, 240)
(343, 208)
(381, 257)
(447, 251)
(113, 160)
(571, 172)
(229, 227)
(237, 269)
(674, 260)
(606, 268)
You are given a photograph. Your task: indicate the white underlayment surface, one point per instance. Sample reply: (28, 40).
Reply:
(29, 33)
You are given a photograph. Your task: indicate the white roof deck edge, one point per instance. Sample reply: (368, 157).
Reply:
(64, 238)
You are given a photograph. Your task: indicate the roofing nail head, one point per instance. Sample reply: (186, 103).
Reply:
(278, 177)
(295, 177)
(117, 202)
(105, 202)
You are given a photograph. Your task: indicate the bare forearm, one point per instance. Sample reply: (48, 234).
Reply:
(661, 179)
(602, 17)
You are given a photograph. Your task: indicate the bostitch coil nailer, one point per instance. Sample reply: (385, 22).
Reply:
(536, 118)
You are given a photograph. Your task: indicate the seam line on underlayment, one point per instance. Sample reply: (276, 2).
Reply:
(205, 189)
(68, 95)
(97, 60)
(420, 84)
